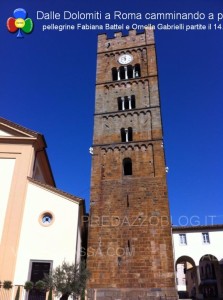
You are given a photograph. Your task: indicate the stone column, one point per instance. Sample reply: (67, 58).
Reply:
(123, 103)
(130, 102)
(126, 73)
(118, 74)
(133, 72)
(126, 135)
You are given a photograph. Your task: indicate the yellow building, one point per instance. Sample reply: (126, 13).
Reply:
(39, 224)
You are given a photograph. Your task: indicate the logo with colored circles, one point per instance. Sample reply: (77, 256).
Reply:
(20, 23)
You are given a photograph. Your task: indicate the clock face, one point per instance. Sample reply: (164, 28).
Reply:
(125, 59)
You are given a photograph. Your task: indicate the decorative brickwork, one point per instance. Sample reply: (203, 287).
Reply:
(129, 245)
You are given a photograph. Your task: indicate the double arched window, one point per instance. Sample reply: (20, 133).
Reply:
(126, 134)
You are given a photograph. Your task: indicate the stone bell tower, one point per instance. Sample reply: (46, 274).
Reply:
(130, 252)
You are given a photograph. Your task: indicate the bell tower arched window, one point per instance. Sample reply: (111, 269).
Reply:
(126, 134)
(120, 103)
(133, 101)
(123, 135)
(122, 73)
(126, 72)
(127, 166)
(127, 102)
(137, 71)
(114, 74)
(129, 134)
(129, 71)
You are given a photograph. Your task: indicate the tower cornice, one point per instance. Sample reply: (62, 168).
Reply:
(125, 49)
(143, 109)
(129, 144)
(130, 80)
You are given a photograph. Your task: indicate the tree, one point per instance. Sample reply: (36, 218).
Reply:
(68, 280)
(40, 285)
(28, 286)
(50, 295)
(7, 285)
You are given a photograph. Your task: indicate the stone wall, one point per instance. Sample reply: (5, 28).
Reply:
(129, 246)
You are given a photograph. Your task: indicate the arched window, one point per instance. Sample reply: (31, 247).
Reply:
(129, 71)
(114, 74)
(133, 101)
(127, 166)
(137, 70)
(120, 107)
(126, 103)
(123, 135)
(129, 134)
(122, 72)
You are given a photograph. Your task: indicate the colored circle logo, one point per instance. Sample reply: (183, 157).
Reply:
(20, 23)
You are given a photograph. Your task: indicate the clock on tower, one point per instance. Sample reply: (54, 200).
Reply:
(125, 59)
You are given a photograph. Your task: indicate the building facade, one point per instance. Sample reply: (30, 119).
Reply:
(129, 245)
(40, 225)
(198, 255)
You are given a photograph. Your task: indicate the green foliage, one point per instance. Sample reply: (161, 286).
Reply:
(40, 285)
(50, 295)
(28, 285)
(17, 293)
(83, 295)
(7, 285)
(68, 279)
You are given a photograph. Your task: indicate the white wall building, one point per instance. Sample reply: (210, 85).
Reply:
(40, 225)
(199, 260)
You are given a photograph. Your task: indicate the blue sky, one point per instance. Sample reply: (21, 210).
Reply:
(48, 85)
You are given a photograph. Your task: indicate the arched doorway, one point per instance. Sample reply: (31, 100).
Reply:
(209, 273)
(186, 276)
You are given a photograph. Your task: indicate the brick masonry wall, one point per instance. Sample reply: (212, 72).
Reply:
(129, 243)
